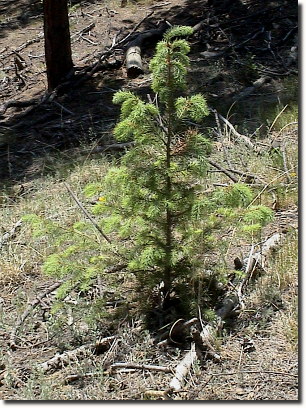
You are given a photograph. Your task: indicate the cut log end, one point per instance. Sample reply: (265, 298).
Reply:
(134, 72)
(133, 62)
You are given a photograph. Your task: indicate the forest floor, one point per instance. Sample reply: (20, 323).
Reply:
(244, 60)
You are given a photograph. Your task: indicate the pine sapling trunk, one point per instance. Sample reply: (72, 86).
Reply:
(169, 111)
(167, 272)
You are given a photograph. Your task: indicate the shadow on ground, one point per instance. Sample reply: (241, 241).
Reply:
(87, 113)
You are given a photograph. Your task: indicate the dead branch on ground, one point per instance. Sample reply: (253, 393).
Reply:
(249, 178)
(203, 341)
(244, 139)
(250, 89)
(18, 104)
(61, 360)
(84, 30)
(23, 46)
(183, 369)
(256, 262)
(223, 170)
(75, 377)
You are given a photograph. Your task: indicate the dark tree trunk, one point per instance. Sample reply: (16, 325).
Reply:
(57, 42)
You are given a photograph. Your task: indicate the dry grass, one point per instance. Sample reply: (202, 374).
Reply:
(283, 277)
(267, 372)
(46, 197)
(270, 319)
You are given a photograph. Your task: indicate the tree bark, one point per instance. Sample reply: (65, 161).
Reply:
(57, 42)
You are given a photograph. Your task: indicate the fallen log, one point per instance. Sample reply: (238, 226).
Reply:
(134, 65)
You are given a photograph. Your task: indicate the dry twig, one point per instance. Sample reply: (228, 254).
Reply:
(84, 30)
(86, 213)
(149, 367)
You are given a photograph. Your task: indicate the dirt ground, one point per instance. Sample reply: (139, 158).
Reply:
(240, 42)
(27, 133)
